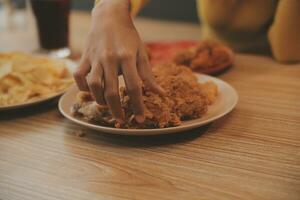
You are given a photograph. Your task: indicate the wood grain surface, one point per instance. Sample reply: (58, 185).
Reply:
(252, 153)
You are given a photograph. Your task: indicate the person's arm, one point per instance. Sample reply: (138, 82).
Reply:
(113, 46)
(284, 34)
(135, 5)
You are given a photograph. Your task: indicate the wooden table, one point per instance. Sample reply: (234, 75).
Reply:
(253, 153)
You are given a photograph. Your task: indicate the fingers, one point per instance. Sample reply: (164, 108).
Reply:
(111, 93)
(145, 72)
(81, 73)
(95, 83)
(133, 86)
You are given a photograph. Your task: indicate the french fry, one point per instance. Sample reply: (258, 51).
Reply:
(24, 78)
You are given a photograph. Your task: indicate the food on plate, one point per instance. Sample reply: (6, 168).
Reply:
(203, 56)
(25, 78)
(207, 57)
(164, 52)
(185, 99)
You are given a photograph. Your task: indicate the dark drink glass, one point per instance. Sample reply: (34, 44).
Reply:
(52, 19)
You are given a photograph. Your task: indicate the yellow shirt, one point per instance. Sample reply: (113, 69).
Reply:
(260, 26)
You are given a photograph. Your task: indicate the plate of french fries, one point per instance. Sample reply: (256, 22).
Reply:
(28, 79)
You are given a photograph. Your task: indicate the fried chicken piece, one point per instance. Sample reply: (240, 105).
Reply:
(88, 109)
(191, 98)
(185, 99)
(208, 57)
(172, 70)
(201, 60)
(184, 57)
(210, 90)
(158, 111)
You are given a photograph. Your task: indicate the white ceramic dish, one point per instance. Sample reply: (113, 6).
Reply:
(226, 101)
(71, 65)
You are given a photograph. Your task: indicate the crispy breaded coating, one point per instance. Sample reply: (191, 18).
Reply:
(185, 92)
(185, 99)
(208, 57)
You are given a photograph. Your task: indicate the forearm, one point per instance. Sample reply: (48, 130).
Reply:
(134, 5)
(284, 32)
(111, 8)
(112, 1)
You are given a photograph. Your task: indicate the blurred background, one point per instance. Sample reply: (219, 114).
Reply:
(178, 10)
(175, 10)
(17, 21)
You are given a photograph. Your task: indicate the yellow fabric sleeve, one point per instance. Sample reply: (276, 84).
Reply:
(135, 5)
(284, 33)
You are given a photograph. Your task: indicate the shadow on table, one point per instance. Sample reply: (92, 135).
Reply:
(142, 141)
(28, 111)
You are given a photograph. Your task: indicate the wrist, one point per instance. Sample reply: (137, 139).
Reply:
(115, 2)
(111, 5)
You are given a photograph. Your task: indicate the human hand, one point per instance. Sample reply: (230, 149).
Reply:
(113, 47)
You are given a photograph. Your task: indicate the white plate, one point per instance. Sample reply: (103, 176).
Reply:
(71, 66)
(226, 101)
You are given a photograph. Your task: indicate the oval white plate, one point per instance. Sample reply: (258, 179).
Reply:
(226, 101)
(71, 65)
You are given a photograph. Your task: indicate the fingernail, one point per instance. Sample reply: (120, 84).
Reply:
(140, 118)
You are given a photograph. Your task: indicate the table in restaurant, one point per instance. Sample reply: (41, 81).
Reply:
(252, 153)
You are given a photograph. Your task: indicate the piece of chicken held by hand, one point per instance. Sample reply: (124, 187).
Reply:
(185, 99)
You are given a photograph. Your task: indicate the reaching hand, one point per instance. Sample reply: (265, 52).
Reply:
(114, 46)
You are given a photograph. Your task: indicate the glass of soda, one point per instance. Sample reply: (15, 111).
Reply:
(52, 19)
